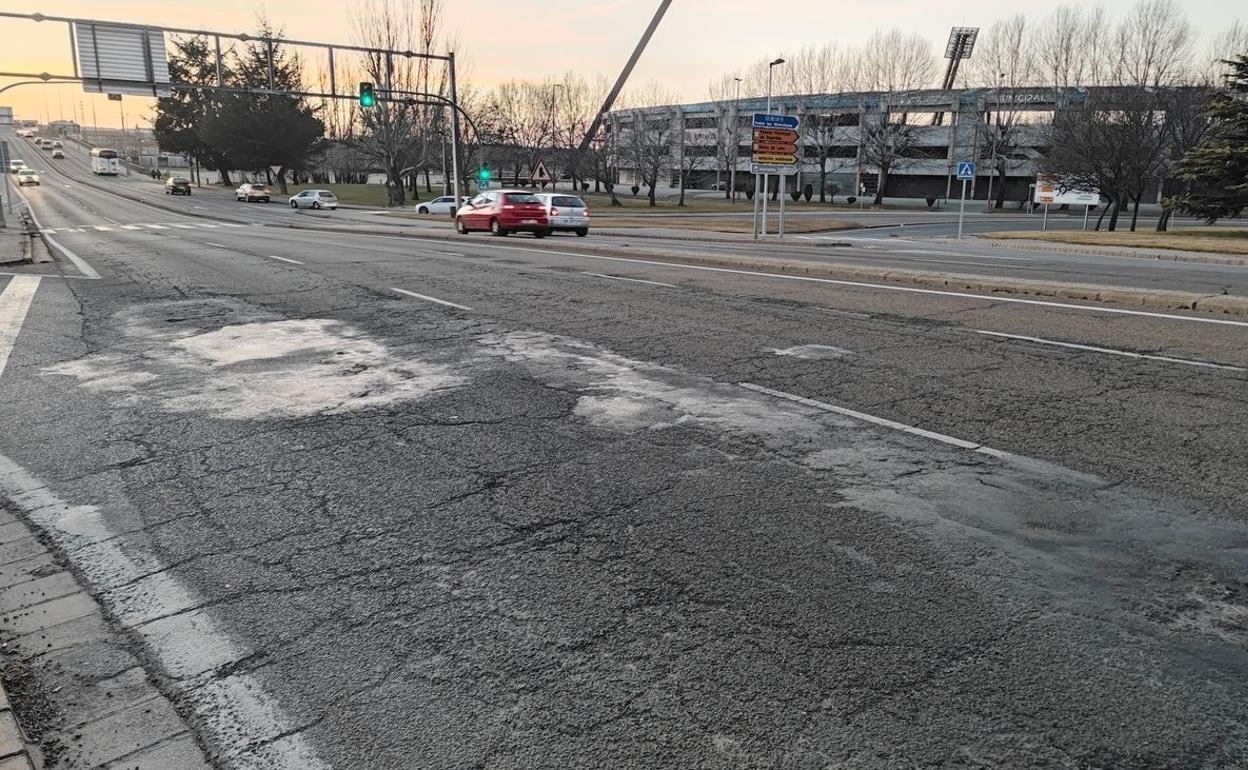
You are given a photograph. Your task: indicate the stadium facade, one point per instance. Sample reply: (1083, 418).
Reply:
(1000, 129)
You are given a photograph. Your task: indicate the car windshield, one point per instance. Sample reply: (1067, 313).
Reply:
(567, 201)
(326, 195)
(522, 198)
(180, 180)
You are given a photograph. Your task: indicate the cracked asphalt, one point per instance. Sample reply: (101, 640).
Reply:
(553, 530)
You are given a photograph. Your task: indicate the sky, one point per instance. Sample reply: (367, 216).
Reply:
(699, 40)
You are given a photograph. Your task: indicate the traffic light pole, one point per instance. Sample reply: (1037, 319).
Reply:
(455, 131)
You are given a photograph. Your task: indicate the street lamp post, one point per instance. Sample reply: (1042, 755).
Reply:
(766, 179)
(736, 141)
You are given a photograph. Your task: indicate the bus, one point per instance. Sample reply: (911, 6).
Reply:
(105, 162)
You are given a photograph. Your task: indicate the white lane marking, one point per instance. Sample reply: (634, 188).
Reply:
(231, 224)
(931, 252)
(1110, 351)
(880, 286)
(156, 227)
(633, 280)
(46, 275)
(78, 261)
(14, 302)
(431, 299)
(209, 225)
(284, 259)
(184, 227)
(174, 237)
(215, 245)
(239, 718)
(130, 227)
(47, 231)
(881, 421)
(101, 229)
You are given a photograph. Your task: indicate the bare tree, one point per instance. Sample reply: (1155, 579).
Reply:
(898, 61)
(523, 116)
(649, 145)
(1154, 44)
(1187, 125)
(1004, 62)
(1227, 44)
(886, 142)
(727, 126)
(396, 134)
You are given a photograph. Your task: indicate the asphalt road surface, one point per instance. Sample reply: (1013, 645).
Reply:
(367, 501)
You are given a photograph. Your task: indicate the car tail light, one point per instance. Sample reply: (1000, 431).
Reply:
(508, 206)
(554, 212)
(585, 212)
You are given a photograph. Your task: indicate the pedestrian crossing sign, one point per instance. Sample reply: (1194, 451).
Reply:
(966, 171)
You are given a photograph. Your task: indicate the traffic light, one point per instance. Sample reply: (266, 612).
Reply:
(484, 174)
(368, 97)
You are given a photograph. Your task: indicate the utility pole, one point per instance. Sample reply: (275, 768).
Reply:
(623, 78)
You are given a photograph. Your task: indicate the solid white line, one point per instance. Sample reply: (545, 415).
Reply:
(78, 261)
(102, 229)
(239, 716)
(208, 225)
(216, 245)
(130, 227)
(880, 421)
(14, 302)
(156, 227)
(284, 259)
(633, 280)
(880, 286)
(1110, 351)
(431, 299)
(185, 227)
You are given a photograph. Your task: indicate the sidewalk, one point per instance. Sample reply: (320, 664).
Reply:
(14, 243)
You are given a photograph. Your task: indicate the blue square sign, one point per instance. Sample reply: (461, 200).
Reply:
(966, 171)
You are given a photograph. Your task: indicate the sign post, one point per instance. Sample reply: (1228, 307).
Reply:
(966, 173)
(775, 152)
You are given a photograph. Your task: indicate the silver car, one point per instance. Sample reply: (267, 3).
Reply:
(443, 205)
(567, 213)
(314, 199)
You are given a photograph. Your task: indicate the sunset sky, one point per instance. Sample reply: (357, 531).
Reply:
(502, 39)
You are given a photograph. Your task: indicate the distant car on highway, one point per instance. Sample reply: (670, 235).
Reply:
(252, 192)
(28, 176)
(15, 165)
(58, 154)
(177, 185)
(443, 205)
(45, 144)
(504, 212)
(57, 144)
(566, 213)
(314, 199)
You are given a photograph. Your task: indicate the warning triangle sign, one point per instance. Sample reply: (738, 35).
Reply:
(540, 174)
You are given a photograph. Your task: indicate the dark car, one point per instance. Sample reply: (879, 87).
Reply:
(177, 185)
(504, 212)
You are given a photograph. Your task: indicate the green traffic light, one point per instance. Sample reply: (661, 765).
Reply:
(368, 97)
(484, 176)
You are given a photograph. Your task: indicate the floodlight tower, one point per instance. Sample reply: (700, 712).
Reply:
(961, 44)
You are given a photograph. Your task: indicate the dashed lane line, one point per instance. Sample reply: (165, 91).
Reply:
(631, 280)
(427, 298)
(284, 259)
(1110, 351)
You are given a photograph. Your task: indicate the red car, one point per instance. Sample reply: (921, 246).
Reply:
(504, 212)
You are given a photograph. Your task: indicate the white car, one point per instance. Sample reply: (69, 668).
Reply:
(443, 205)
(28, 176)
(16, 165)
(567, 213)
(314, 199)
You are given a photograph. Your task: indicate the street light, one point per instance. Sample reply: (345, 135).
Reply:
(770, 68)
(736, 141)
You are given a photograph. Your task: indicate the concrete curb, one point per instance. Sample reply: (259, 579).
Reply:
(1169, 255)
(1219, 304)
(14, 746)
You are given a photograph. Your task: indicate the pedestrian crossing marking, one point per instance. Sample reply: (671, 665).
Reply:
(139, 226)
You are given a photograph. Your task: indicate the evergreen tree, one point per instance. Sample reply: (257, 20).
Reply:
(1217, 169)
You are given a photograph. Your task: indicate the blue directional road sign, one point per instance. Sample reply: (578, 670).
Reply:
(966, 171)
(766, 120)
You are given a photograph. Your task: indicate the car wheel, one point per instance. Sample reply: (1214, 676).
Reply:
(264, 200)
(422, 210)
(294, 205)
(460, 228)
(582, 232)
(497, 229)
(540, 233)
(316, 204)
